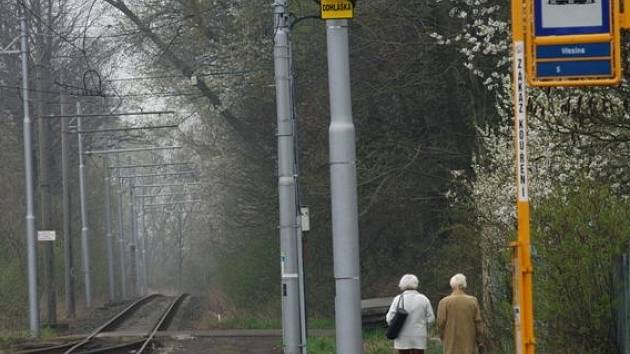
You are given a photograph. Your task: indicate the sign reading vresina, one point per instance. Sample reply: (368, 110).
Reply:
(336, 9)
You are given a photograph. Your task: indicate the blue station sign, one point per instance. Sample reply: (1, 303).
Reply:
(572, 40)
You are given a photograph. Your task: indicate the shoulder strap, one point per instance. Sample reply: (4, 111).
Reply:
(401, 302)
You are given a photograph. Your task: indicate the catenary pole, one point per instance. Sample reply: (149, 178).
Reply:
(45, 222)
(298, 201)
(134, 240)
(85, 230)
(121, 240)
(343, 183)
(31, 250)
(140, 248)
(67, 237)
(291, 323)
(144, 242)
(109, 240)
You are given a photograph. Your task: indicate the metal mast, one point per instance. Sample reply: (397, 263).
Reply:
(28, 183)
(85, 230)
(291, 321)
(343, 184)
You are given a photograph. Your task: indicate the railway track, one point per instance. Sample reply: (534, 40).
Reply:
(150, 314)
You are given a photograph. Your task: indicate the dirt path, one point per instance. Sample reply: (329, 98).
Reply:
(239, 345)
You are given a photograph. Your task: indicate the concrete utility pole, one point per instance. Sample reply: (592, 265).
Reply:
(108, 231)
(85, 236)
(343, 184)
(134, 241)
(121, 240)
(298, 199)
(45, 221)
(291, 319)
(142, 245)
(67, 237)
(31, 250)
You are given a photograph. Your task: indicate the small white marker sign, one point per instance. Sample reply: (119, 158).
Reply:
(46, 235)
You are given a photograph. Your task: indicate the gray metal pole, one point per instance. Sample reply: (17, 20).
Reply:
(143, 242)
(85, 230)
(299, 234)
(31, 250)
(108, 233)
(67, 237)
(134, 241)
(140, 247)
(121, 240)
(343, 184)
(291, 322)
(45, 221)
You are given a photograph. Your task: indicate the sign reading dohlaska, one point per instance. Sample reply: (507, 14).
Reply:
(337, 9)
(574, 43)
(46, 235)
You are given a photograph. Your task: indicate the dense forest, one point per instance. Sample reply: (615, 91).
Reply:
(431, 97)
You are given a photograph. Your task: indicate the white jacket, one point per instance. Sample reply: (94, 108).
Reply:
(413, 334)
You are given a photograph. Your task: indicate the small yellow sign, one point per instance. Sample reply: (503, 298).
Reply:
(337, 9)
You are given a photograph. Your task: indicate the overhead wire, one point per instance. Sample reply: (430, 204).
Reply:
(41, 21)
(86, 56)
(158, 94)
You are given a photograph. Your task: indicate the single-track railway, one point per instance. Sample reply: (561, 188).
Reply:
(147, 315)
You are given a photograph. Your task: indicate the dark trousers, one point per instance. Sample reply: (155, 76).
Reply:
(411, 351)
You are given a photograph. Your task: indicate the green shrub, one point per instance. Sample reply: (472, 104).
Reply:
(577, 237)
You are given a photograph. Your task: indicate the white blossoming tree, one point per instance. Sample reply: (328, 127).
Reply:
(575, 135)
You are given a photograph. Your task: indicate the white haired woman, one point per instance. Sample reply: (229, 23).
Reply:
(412, 338)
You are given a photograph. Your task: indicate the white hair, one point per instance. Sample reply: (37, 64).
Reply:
(408, 282)
(458, 281)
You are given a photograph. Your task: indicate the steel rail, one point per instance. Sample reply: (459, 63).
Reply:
(112, 322)
(113, 347)
(77, 344)
(164, 321)
(49, 349)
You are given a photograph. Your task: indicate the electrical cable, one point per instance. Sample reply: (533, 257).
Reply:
(158, 94)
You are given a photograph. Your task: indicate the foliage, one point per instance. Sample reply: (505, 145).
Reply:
(579, 236)
(432, 108)
(246, 273)
(412, 108)
(374, 342)
(245, 322)
(575, 135)
(8, 339)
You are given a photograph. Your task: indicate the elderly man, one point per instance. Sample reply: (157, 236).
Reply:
(459, 319)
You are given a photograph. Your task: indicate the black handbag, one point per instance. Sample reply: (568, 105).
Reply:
(396, 324)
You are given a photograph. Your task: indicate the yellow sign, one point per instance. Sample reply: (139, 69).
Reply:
(337, 9)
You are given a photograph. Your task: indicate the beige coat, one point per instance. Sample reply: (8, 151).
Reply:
(459, 323)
